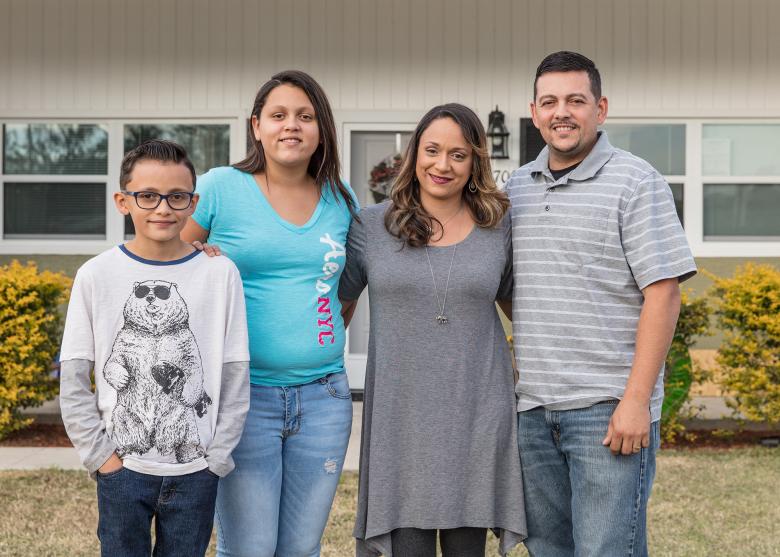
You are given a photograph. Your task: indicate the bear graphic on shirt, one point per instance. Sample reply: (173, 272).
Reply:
(155, 367)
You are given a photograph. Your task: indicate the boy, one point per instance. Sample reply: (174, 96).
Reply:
(165, 329)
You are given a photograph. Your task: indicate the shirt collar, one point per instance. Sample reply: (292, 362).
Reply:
(595, 160)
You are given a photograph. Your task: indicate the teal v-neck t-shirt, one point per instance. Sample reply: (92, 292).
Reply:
(290, 275)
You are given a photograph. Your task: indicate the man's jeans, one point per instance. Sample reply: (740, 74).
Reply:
(288, 462)
(581, 499)
(182, 507)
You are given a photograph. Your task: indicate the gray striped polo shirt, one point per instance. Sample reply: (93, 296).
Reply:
(585, 246)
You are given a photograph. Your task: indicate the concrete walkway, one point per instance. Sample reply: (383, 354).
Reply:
(31, 458)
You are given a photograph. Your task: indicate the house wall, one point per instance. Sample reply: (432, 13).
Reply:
(103, 58)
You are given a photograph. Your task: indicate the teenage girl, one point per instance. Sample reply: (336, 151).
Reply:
(282, 215)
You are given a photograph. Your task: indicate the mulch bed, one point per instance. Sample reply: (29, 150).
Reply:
(53, 435)
(720, 439)
(38, 435)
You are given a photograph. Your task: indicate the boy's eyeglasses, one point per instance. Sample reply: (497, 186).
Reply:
(178, 201)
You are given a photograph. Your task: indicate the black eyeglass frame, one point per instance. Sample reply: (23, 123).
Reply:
(160, 198)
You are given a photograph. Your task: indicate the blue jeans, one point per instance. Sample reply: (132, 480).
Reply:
(288, 462)
(182, 507)
(580, 499)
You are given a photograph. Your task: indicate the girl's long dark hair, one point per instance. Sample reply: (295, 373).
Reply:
(324, 165)
(407, 219)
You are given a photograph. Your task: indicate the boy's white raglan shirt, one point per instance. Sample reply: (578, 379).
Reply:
(159, 334)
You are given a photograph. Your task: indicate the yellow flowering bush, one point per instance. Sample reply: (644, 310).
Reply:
(748, 311)
(30, 329)
(680, 373)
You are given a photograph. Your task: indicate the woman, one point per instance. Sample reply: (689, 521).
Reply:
(438, 450)
(282, 216)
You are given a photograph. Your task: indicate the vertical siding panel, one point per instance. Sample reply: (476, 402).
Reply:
(265, 60)
(18, 50)
(188, 83)
(334, 41)
(117, 69)
(103, 71)
(317, 37)
(519, 70)
(402, 58)
(435, 55)
(350, 55)
(384, 54)
(621, 68)
(420, 60)
(149, 67)
(469, 38)
(166, 15)
(233, 56)
(198, 74)
(486, 59)
(85, 74)
(569, 37)
(66, 55)
(133, 49)
(637, 70)
(250, 53)
(217, 56)
(50, 30)
(605, 51)
(724, 52)
(655, 57)
(690, 55)
(587, 31)
(756, 90)
(366, 34)
(503, 60)
(283, 15)
(33, 95)
(300, 23)
(6, 56)
(707, 56)
(773, 59)
(740, 67)
(449, 20)
(671, 37)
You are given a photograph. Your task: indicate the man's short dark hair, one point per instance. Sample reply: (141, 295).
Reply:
(154, 150)
(566, 61)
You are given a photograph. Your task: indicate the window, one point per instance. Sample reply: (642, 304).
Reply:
(741, 181)
(208, 145)
(662, 145)
(54, 180)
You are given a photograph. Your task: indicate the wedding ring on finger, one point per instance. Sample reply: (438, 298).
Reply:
(637, 448)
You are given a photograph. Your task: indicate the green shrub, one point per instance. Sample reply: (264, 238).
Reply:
(748, 311)
(30, 329)
(680, 374)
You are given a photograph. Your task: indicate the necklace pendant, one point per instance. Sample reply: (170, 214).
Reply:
(442, 319)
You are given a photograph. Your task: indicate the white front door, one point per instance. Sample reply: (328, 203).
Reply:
(367, 149)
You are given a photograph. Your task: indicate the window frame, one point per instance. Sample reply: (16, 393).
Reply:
(114, 233)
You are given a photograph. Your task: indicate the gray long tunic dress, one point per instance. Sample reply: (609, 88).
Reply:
(439, 447)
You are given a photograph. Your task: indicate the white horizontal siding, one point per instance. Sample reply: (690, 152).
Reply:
(690, 58)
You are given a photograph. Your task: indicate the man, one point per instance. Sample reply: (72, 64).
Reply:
(598, 254)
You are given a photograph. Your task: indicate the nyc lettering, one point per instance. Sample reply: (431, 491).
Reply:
(329, 269)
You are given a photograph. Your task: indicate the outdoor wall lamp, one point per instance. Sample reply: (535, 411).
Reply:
(498, 135)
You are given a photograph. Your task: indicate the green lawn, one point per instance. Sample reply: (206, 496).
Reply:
(704, 503)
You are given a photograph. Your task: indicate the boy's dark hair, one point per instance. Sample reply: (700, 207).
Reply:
(566, 61)
(160, 150)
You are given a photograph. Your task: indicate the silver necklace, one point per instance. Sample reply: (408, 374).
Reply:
(441, 318)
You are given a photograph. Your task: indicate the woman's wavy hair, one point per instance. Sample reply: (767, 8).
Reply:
(407, 219)
(324, 165)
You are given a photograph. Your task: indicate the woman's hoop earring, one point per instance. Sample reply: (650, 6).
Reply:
(472, 186)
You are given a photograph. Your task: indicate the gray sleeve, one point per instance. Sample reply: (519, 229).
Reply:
(233, 407)
(81, 416)
(507, 284)
(653, 239)
(354, 278)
